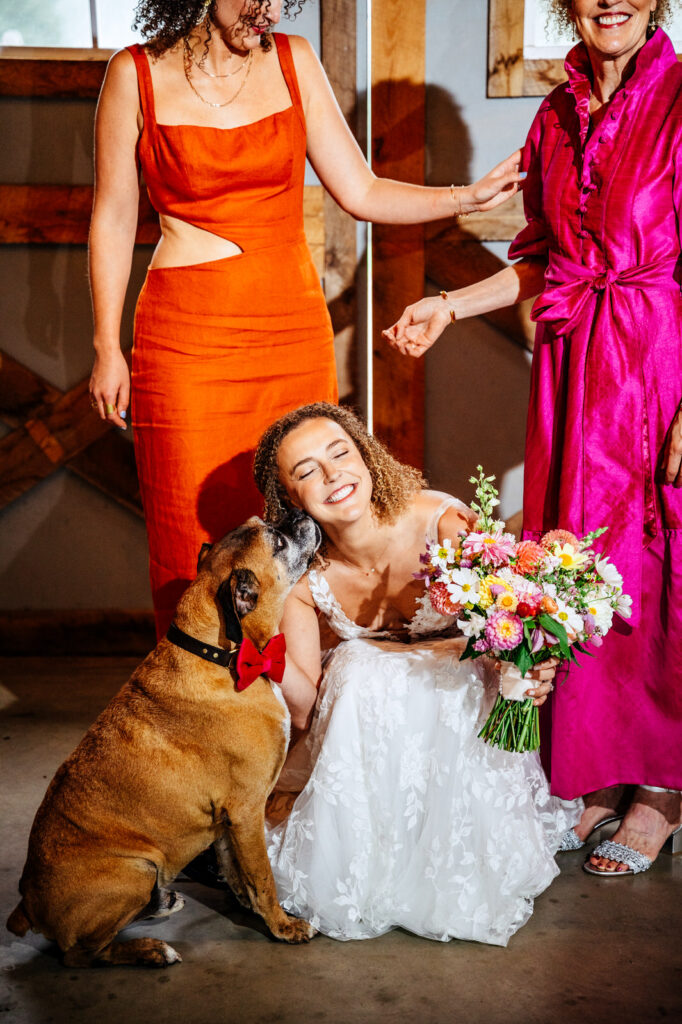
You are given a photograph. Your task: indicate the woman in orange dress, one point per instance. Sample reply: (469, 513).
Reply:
(231, 327)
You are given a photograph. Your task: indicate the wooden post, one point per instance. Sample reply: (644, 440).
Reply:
(505, 48)
(338, 33)
(398, 97)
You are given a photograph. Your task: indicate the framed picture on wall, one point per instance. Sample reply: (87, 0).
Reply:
(527, 47)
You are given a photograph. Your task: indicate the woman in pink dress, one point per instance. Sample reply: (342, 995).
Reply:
(603, 200)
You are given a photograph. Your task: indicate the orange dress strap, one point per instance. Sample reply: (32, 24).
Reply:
(144, 84)
(286, 62)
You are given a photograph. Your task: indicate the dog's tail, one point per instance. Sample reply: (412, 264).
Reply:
(18, 921)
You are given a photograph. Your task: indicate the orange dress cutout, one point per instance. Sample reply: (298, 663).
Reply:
(221, 348)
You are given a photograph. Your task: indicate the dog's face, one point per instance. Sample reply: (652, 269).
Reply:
(255, 568)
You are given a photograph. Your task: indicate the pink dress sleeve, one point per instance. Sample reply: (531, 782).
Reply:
(532, 241)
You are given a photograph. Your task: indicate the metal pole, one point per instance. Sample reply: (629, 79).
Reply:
(93, 24)
(369, 353)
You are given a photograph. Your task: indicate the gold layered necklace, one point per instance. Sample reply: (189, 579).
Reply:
(212, 74)
(188, 61)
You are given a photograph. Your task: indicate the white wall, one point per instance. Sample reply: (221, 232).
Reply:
(476, 379)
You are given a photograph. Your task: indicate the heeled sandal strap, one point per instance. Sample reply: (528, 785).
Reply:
(570, 841)
(635, 860)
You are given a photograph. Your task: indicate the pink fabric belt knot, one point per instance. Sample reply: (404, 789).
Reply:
(602, 481)
(570, 287)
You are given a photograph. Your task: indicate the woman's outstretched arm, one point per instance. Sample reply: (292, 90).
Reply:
(342, 168)
(422, 323)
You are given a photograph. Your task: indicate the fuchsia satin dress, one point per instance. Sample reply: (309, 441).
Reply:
(603, 210)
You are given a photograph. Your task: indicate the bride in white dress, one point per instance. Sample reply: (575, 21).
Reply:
(403, 817)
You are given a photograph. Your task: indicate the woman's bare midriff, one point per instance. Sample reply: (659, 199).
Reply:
(183, 245)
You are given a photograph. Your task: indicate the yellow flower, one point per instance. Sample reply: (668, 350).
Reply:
(507, 601)
(485, 598)
(569, 557)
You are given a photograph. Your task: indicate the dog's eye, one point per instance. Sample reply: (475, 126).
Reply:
(280, 543)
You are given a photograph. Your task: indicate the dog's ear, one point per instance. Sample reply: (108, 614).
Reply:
(238, 596)
(204, 550)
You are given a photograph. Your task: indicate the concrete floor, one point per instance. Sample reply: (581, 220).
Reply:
(594, 951)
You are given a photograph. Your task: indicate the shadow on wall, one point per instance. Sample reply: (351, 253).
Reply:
(477, 379)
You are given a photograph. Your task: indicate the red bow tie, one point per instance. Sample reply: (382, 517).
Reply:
(269, 662)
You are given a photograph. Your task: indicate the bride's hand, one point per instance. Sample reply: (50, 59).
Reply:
(495, 188)
(543, 680)
(421, 324)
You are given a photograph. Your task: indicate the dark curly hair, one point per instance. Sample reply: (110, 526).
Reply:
(393, 484)
(165, 22)
(559, 11)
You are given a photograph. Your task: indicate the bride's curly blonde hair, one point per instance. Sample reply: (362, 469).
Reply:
(393, 484)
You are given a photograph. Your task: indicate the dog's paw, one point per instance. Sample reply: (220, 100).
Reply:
(163, 956)
(294, 930)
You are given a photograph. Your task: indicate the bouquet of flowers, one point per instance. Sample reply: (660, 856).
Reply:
(521, 602)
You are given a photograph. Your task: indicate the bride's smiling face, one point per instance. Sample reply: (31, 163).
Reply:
(323, 472)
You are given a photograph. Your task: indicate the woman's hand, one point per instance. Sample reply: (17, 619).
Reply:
(495, 188)
(421, 324)
(672, 452)
(110, 387)
(542, 677)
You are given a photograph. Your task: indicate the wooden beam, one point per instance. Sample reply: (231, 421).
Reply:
(77, 632)
(22, 393)
(58, 79)
(60, 214)
(339, 57)
(56, 433)
(505, 48)
(398, 100)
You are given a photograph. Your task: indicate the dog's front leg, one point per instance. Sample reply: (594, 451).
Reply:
(247, 842)
(229, 870)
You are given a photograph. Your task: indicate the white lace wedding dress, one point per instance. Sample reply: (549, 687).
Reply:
(404, 817)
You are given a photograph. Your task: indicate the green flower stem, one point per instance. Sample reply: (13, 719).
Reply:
(512, 725)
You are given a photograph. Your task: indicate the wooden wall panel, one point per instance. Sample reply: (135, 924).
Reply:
(339, 57)
(61, 214)
(505, 48)
(398, 98)
(58, 79)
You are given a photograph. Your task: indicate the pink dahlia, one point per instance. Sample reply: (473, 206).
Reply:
(504, 630)
(492, 548)
(562, 536)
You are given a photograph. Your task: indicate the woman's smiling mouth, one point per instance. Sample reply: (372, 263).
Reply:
(340, 494)
(612, 20)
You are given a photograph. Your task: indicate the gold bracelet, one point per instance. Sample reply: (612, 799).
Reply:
(453, 189)
(444, 296)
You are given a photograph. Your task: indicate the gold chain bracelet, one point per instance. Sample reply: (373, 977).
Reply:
(446, 298)
(453, 189)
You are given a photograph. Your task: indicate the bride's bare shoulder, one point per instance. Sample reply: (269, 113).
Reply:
(457, 516)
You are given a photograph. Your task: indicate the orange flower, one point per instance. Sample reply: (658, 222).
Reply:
(562, 536)
(530, 557)
(548, 604)
(441, 601)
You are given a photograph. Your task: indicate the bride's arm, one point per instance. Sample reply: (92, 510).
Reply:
(303, 661)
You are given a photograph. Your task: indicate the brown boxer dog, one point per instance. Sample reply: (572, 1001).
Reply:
(184, 755)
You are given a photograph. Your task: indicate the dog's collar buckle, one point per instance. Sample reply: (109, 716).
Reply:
(215, 655)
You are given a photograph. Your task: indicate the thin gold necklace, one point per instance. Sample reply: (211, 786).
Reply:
(358, 568)
(187, 65)
(211, 74)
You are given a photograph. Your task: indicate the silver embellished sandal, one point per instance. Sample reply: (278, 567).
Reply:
(572, 841)
(636, 861)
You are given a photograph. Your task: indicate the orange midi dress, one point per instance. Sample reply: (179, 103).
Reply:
(221, 349)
